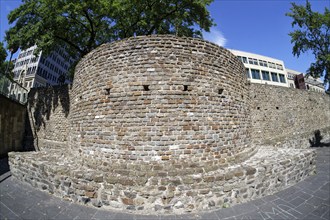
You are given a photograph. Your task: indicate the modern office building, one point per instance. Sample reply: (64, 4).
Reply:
(37, 71)
(267, 70)
(262, 69)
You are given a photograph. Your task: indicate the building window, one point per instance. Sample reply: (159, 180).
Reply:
(307, 86)
(274, 77)
(255, 74)
(282, 78)
(279, 67)
(243, 59)
(291, 85)
(247, 73)
(265, 75)
(263, 63)
(272, 65)
(253, 61)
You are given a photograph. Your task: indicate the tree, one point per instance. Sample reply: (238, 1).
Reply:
(4, 81)
(82, 25)
(312, 35)
(5, 65)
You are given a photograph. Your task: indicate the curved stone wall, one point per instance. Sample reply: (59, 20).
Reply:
(161, 98)
(160, 124)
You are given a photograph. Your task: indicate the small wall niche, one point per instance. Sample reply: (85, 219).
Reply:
(185, 87)
(220, 91)
(107, 91)
(146, 87)
(277, 107)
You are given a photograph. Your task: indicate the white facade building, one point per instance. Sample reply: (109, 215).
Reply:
(262, 69)
(267, 70)
(36, 71)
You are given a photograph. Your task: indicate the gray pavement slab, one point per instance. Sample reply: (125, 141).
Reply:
(309, 199)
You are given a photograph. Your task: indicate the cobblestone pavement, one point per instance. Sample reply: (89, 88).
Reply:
(309, 199)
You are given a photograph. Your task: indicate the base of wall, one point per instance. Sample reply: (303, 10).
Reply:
(268, 171)
(314, 138)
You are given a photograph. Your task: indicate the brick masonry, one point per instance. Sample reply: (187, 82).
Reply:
(166, 124)
(48, 110)
(287, 116)
(12, 124)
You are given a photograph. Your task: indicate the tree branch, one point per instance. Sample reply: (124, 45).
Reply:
(82, 52)
(92, 36)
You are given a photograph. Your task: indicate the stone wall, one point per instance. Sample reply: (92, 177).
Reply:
(48, 110)
(12, 125)
(163, 124)
(92, 182)
(287, 116)
(161, 99)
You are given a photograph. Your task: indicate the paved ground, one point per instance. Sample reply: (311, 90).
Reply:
(309, 199)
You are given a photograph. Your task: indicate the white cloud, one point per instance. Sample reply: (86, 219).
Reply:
(215, 36)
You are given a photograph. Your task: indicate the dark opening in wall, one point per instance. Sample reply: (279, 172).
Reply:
(107, 91)
(277, 107)
(220, 91)
(258, 108)
(146, 87)
(185, 87)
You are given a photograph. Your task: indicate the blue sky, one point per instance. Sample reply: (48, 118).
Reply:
(256, 26)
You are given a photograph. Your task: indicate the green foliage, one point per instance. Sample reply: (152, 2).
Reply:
(82, 25)
(3, 53)
(312, 35)
(5, 64)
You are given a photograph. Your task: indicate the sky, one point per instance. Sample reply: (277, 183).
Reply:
(255, 26)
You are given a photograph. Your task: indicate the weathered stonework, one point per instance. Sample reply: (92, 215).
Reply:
(163, 124)
(12, 123)
(287, 116)
(48, 110)
(161, 99)
(89, 181)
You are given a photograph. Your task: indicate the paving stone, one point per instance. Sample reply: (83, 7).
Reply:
(168, 217)
(326, 215)
(297, 201)
(33, 214)
(312, 217)
(250, 216)
(7, 213)
(124, 216)
(323, 194)
(244, 208)
(78, 212)
(188, 216)
(305, 208)
(321, 210)
(258, 202)
(270, 198)
(147, 217)
(315, 201)
(103, 215)
(282, 204)
(225, 213)
(210, 216)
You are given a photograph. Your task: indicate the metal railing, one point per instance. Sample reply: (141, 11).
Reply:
(12, 89)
